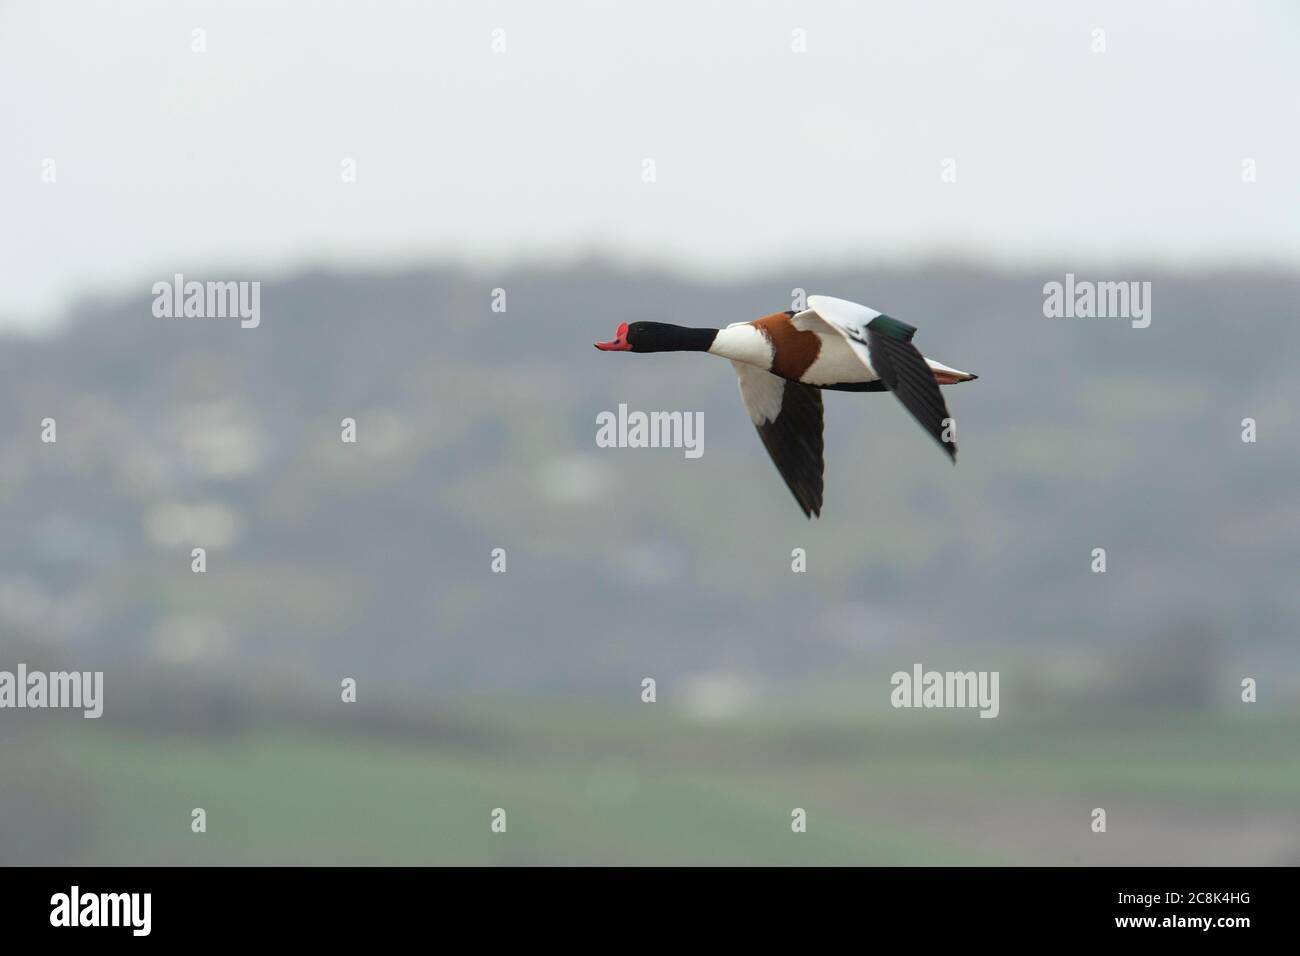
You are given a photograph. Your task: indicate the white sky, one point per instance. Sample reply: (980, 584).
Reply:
(226, 164)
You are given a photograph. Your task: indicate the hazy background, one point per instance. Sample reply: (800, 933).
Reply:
(522, 171)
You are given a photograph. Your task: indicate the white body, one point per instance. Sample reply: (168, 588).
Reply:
(840, 325)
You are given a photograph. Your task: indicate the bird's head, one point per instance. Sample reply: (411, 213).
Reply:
(658, 337)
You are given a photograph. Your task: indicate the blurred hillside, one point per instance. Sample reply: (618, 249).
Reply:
(476, 430)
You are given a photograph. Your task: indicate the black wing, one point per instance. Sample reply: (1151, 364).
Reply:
(788, 416)
(903, 370)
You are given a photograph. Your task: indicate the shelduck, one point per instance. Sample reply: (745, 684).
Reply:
(783, 361)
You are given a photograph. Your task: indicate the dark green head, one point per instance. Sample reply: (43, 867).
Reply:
(658, 337)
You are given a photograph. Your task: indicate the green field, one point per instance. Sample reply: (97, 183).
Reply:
(613, 785)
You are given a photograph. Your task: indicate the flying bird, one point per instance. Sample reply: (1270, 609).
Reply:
(783, 361)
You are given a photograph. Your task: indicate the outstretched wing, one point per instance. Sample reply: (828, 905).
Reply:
(903, 370)
(788, 416)
(884, 345)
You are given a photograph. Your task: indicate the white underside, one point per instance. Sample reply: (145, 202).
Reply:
(837, 363)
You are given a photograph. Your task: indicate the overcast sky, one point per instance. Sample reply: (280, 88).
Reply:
(229, 163)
